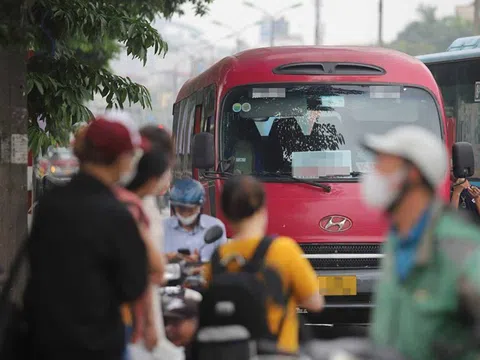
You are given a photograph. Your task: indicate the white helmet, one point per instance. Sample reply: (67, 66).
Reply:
(417, 145)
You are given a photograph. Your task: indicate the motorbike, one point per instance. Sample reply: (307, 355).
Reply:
(180, 272)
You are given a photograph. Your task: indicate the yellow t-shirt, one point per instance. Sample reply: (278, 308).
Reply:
(296, 272)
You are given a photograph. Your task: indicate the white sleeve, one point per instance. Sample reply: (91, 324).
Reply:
(156, 221)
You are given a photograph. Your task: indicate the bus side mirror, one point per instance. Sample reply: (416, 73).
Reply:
(203, 151)
(463, 160)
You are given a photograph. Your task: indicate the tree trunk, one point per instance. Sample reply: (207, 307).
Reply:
(13, 152)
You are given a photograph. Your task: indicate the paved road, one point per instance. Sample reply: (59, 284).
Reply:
(337, 331)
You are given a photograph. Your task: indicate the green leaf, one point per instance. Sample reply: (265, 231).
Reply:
(39, 86)
(131, 30)
(30, 85)
(123, 95)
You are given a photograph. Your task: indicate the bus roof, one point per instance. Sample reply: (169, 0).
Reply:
(256, 66)
(450, 56)
(465, 48)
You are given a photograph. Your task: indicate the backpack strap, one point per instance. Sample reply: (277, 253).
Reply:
(288, 295)
(256, 261)
(215, 263)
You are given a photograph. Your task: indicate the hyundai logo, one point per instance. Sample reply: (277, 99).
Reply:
(335, 223)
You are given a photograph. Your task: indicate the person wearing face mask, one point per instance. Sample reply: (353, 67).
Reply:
(186, 228)
(153, 331)
(148, 179)
(86, 253)
(466, 198)
(428, 296)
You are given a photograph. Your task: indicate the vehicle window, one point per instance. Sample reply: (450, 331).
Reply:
(190, 121)
(61, 154)
(310, 131)
(183, 129)
(457, 83)
(209, 109)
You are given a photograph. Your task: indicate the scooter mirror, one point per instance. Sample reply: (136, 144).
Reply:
(213, 234)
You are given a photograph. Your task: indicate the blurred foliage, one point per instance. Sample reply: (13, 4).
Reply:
(73, 42)
(431, 34)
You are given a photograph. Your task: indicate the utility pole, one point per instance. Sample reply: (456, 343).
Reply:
(175, 79)
(318, 5)
(13, 139)
(476, 17)
(238, 44)
(272, 30)
(380, 22)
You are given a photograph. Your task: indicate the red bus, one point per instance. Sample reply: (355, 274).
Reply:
(293, 117)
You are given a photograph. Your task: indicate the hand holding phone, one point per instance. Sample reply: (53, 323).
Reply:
(185, 252)
(474, 191)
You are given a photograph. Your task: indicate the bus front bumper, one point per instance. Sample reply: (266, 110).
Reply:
(349, 309)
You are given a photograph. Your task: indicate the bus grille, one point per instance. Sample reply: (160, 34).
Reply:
(351, 263)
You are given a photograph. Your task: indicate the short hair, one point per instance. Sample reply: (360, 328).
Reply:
(242, 196)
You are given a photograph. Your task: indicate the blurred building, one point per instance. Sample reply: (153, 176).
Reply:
(465, 12)
(281, 29)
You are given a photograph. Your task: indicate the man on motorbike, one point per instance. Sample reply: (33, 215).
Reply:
(428, 298)
(186, 228)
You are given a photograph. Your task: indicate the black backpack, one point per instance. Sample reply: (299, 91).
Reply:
(233, 312)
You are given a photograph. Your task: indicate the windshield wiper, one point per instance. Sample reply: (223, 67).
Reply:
(327, 188)
(352, 174)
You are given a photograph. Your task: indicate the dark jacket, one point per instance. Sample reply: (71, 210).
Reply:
(86, 258)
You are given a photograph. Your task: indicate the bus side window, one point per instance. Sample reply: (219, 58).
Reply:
(209, 111)
(196, 129)
(187, 137)
(178, 110)
(208, 125)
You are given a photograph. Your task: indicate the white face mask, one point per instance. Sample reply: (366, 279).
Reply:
(126, 178)
(188, 220)
(380, 191)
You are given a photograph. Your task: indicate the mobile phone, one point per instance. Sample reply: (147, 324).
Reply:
(185, 252)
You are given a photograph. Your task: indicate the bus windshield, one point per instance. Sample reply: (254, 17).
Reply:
(313, 131)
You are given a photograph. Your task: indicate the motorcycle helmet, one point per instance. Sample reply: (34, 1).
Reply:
(187, 192)
(417, 145)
